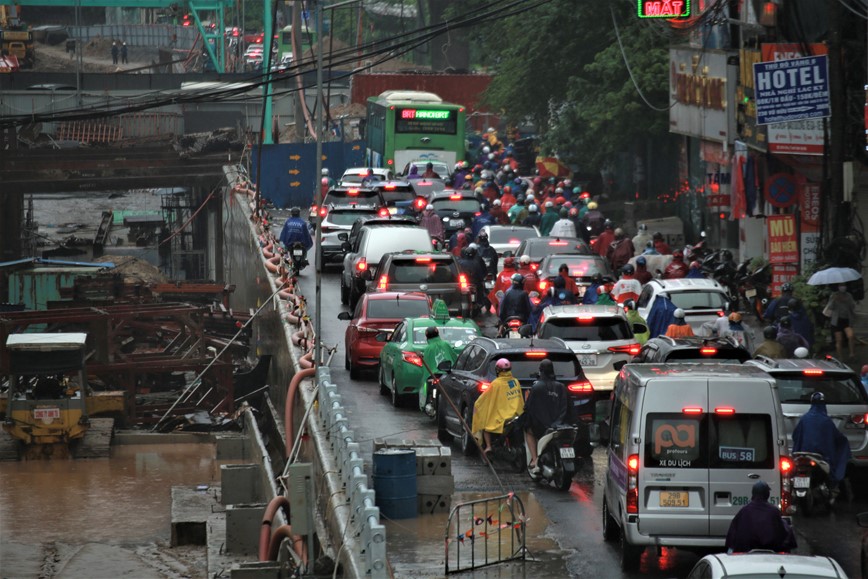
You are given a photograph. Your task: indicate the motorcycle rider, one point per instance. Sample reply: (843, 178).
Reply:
(620, 250)
(325, 175)
(788, 338)
(295, 230)
(547, 404)
(770, 347)
(533, 219)
(557, 295)
(786, 294)
(518, 212)
(641, 239)
(660, 315)
(515, 302)
(676, 269)
(473, 267)
(593, 218)
(487, 253)
(695, 271)
(436, 351)
(802, 324)
(432, 222)
(816, 432)
(628, 287)
(569, 283)
(591, 292)
(502, 401)
(564, 226)
(660, 245)
(498, 213)
(679, 328)
(548, 219)
(642, 273)
(605, 239)
(759, 525)
(604, 293)
(484, 218)
(635, 319)
(734, 327)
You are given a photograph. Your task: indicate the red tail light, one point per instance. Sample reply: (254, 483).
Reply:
(859, 419)
(558, 243)
(536, 354)
(786, 467)
(383, 284)
(586, 318)
(412, 358)
(812, 372)
(633, 484)
(353, 192)
(423, 260)
(632, 349)
(724, 410)
(720, 313)
(383, 212)
(463, 284)
(455, 197)
(543, 285)
(323, 212)
(514, 324)
(581, 387)
(708, 351)
(389, 187)
(483, 386)
(390, 162)
(514, 241)
(421, 203)
(534, 266)
(361, 264)
(692, 410)
(477, 214)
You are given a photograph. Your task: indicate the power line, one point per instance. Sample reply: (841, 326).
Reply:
(630, 71)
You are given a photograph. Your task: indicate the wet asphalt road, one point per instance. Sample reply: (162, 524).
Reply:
(570, 542)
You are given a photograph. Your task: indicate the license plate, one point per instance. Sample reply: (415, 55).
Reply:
(568, 452)
(750, 293)
(489, 285)
(456, 223)
(46, 414)
(588, 360)
(674, 499)
(802, 482)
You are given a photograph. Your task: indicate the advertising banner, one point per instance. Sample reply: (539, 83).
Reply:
(809, 231)
(783, 245)
(793, 89)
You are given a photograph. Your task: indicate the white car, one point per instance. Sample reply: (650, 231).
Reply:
(703, 300)
(600, 336)
(353, 176)
(508, 237)
(765, 564)
(439, 167)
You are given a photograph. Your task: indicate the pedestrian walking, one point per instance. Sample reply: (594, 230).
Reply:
(124, 53)
(115, 52)
(841, 310)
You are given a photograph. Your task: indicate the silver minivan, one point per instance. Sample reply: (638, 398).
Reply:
(686, 443)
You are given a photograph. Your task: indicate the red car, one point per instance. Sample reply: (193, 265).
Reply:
(375, 313)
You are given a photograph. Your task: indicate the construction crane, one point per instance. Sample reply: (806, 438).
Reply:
(214, 39)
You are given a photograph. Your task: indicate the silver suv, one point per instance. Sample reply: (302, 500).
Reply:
(703, 300)
(600, 336)
(846, 400)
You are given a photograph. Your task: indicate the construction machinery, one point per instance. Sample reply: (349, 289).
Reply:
(49, 408)
(15, 39)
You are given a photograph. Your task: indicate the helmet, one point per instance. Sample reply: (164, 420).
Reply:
(787, 287)
(619, 232)
(507, 189)
(496, 202)
(295, 211)
(466, 253)
(643, 227)
(509, 262)
(657, 235)
(537, 180)
(491, 156)
(324, 181)
(549, 204)
(486, 149)
(695, 265)
(608, 224)
(735, 317)
(802, 352)
(524, 259)
(482, 236)
(517, 280)
(628, 269)
(502, 365)
(559, 190)
(429, 207)
(564, 212)
(533, 208)
(630, 305)
(786, 322)
(818, 398)
(592, 205)
(568, 183)
(573, 212)
(727, 255)
(678, 254)
(431, 332)
(520, 199)
(530, 198)
(770, 332)
(577, 190)
(567, 203)
(641, 261)
(678, 313)
(325, 171)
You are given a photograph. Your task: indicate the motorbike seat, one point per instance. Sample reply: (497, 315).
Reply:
(816, 457)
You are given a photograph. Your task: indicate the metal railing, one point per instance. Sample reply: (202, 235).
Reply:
(364, 519)
(490, 531)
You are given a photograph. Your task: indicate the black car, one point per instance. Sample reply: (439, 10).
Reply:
(665, 349)
(456, 208)
(400, 197)
(474, 371)
(348, 196)
(582, 268)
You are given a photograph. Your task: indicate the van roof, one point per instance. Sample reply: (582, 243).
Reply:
(707, 370)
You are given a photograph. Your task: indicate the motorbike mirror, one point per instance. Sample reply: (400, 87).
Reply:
(382, 337)
(639, 328)
(525, 331)
(343, 236)
(346, 316)
(445, 366)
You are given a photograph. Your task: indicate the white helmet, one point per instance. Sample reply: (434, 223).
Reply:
(530, 198)
(496, 202)
(491, 156)
(801, 352)
(325, 171)
(472, 246)
(478, 190)
(679, 313)
(429, 207)
(559, 190)
(533, 208)
(524, 259)
(549, 204)
(486, 149)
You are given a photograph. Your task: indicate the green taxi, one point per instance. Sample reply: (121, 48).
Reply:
(402, 371)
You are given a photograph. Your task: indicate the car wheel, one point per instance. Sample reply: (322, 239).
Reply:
(381, 379)
(442, 433)
(630, 554)
(397, 399)
(346, 358)
(355, 371)
(610, 527)
(468, 444)
(345, 294)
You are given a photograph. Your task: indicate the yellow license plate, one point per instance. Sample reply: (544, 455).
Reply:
(674, 499)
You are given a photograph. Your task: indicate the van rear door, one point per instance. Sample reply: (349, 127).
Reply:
(743, 428)
(673, 477)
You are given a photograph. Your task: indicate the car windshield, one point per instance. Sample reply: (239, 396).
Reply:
(424, 187)
(421, 166)
(578, 266)
(602, 329)
(797, 389)
(698, 300)
(423, 270)
(393, 196)
(457, 337)
(511, 236)
(525, 368)
(397, 308)
(445, 206)
(339, 217)
(352, 196)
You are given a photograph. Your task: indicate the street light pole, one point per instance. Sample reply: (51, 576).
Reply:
(317, 344)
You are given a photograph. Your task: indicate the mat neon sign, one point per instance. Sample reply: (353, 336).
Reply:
(424, 115)
(663, 8)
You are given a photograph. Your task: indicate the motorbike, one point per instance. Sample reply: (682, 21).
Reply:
(297, 257)
(509, 447)
(753, 286)
(556, 457)
(812, 487)
(511, 328)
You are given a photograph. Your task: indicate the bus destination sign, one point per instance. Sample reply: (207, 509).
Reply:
(663, 8)
(424, 115)
(425, 121)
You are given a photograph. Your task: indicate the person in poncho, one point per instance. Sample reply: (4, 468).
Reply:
(816, 432)
(660, 315)
(679, 328)
(502, 401)
(759, 525)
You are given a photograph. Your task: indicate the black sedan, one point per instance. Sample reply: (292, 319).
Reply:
(456, 208)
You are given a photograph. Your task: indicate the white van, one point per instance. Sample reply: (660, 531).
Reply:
(686, 443)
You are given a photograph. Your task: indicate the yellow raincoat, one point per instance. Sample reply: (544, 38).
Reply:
(502, 401)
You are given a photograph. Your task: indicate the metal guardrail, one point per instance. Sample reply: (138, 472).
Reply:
(364, 514)
(492, 530)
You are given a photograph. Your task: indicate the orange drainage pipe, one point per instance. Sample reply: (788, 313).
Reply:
(269, 543)
(285, 532)
(290, 401)
(306, 361)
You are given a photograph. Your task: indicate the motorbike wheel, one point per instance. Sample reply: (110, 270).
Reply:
(610, 526)
(468, 445)
(442, 433)
(562, 480)
(807, 503)
(345, 294)
(346, 358)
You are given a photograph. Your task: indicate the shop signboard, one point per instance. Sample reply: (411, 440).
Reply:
(792, 89)
(782, 274)
(809, 230)
(783, 245)
(702, 84)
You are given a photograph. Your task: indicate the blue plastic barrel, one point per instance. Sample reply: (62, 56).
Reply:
(395, 482)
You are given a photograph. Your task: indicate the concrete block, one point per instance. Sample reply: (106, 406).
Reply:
(240, 484)
(435, 485)
(231, 446)
(243, 523)
(426, 458)
(191, 507)
(431, 504)
(257, 570)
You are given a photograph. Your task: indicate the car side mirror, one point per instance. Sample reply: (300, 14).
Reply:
(343, 236)
(346, 316)
(525, 331)
(382, 337)
(346, 245)
(445, 366)
(639, 328)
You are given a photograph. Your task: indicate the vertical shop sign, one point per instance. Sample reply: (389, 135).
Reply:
(809, 205)
(783, 246)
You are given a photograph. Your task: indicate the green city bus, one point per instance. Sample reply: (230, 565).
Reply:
(403, 126)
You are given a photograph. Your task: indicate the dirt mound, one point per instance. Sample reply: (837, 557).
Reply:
(134, 269)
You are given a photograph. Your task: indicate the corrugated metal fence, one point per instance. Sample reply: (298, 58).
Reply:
(156, 35)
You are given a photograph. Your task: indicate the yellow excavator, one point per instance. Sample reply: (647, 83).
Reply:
(49, 410)
(15, 38)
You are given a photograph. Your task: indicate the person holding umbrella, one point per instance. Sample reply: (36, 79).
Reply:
(841, 310)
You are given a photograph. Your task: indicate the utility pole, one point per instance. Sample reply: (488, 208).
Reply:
(267, 42)
(317, 346)
(837, 222)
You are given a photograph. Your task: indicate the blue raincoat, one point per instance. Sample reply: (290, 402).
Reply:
(816, 432)
(660, 316)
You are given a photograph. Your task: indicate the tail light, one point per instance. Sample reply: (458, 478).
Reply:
(633, 484)
(361, 264)
(558, 243)
(389, 187)
(692, 410)
(720, 313)
(463, 284)
(383, 212)
(383, 284)
(534, 266)
(412, 358)
(353, 192)
(860, 420)
(535, 353)
(514, 241)
(812, 372)
(585, 318)
(423, 260)
(514, 324)
(420, 203)
(390, 162)
(483, 386)
(632, 349)
(726, 410)
(323, 212)
(477, 214)
(581, 387)
(455, 197)
(708, 351)
(543, 285)
(786, 467)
